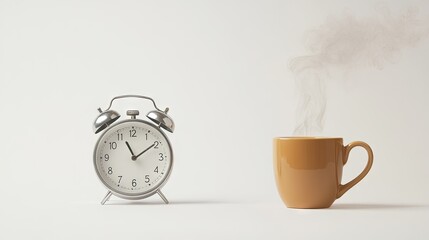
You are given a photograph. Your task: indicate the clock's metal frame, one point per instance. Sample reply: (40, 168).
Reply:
(156, 189)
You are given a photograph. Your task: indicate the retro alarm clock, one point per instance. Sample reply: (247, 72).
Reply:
(133, 158)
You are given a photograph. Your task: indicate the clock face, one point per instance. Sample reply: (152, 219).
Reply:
(133, 158)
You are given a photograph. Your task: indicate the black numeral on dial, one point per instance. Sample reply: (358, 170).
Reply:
(120, 137)
(134, 182)
(133, 133)
(109, 170)
(113, 145)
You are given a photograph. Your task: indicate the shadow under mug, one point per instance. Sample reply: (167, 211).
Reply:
(308, 170)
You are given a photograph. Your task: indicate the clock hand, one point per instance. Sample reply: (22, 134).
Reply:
(151, 146)
(129, 148)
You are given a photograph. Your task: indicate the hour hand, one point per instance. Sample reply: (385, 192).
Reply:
(129, 148)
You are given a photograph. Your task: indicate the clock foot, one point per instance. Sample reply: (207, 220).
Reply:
(162, 196)
(106, 198)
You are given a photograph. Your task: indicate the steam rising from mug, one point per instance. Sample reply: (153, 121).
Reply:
(346, 42)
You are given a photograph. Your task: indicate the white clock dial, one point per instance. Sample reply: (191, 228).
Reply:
(133, 158)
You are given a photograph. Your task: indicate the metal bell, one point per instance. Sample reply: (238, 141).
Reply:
(161, 119)
(104, 120)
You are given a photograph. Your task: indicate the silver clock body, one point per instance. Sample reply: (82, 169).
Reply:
(141, 166)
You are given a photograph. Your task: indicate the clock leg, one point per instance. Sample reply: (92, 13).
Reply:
(106, 198)
(162, 196)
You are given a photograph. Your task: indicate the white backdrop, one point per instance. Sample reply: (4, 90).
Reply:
(222, 68)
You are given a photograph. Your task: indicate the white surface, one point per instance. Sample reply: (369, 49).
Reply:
(214, 220)
(221, 67)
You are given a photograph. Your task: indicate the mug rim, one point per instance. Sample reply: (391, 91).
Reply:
(290, 138)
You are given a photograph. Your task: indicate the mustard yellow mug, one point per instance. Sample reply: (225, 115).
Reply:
(308, 170)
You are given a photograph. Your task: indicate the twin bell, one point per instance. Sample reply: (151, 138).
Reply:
(107, 117)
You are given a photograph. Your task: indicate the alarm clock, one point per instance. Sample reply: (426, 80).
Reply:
(133, 158)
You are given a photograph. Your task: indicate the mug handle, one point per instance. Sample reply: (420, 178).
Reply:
(344, 188)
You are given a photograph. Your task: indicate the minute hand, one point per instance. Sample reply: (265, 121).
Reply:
(151, 146)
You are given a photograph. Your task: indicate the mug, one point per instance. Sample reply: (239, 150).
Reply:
(308, 170)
